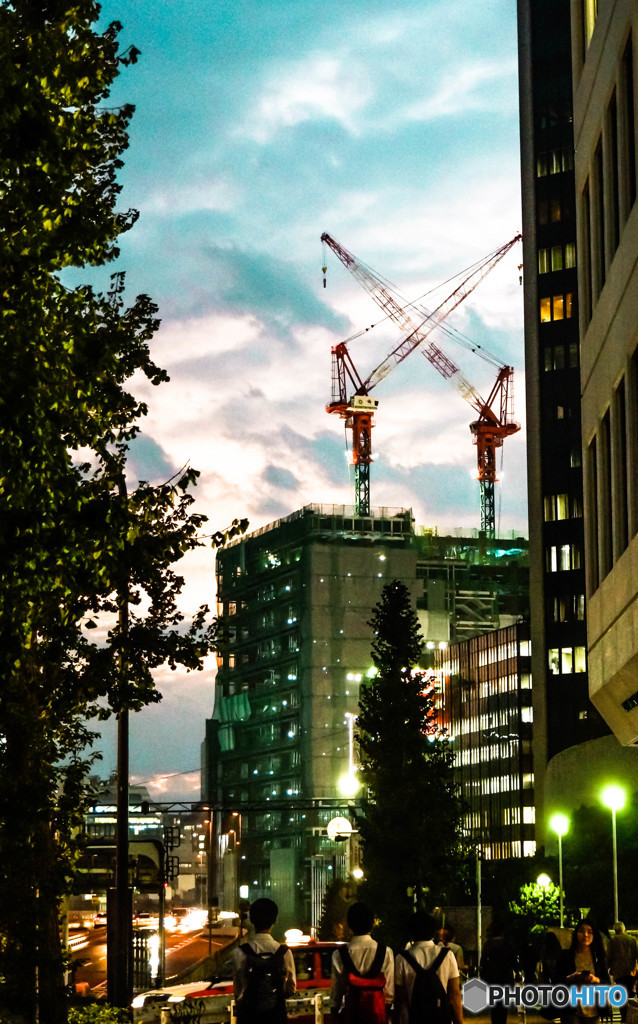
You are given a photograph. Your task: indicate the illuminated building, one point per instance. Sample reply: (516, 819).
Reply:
(487, 708)
(577, 114)
(294, 600)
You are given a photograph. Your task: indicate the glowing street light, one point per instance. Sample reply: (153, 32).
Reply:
(560, 825)
(613, 797)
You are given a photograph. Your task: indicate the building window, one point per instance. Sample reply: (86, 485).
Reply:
(590, 13)
(556, 307)
(629, 129)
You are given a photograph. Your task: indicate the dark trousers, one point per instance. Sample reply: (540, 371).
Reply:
(629, 984)
(498, 1014)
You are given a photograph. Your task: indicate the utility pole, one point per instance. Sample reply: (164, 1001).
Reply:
(120, 909)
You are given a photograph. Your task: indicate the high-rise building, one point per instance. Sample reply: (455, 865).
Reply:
(570, 237)
(604, 64)
(295, 599)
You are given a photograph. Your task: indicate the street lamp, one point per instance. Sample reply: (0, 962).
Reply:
(613, 797)
(544, 882)
(560, 825)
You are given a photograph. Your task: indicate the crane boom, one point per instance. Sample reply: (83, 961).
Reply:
(488, 430)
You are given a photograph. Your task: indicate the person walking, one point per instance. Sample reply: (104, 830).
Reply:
(499, 965)
(263, 970)
(583, 963)
(622, 961)
(447, 937)
(362, 977)
(409, 985)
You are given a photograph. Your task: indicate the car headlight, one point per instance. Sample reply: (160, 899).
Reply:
(138, 1003)
(176, 999)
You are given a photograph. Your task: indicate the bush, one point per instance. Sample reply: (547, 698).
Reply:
(98, 1013)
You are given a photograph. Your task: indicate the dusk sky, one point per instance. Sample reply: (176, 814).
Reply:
(260, 124)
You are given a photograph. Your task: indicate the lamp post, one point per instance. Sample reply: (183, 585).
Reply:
(613, 797)
(560, 824)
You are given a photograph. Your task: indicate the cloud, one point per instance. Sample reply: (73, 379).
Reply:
(279, 477)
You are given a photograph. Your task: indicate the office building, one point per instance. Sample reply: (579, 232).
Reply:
(569, 233)
(486, 706)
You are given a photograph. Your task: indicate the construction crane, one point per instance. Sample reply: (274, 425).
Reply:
(351, 394)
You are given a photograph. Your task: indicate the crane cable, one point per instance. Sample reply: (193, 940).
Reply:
(453, 333)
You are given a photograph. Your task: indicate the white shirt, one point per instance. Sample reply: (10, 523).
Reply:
(262, 942)
(425, 953)
(362, 949)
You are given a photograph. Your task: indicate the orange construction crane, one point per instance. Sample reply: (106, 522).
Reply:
(351, 394)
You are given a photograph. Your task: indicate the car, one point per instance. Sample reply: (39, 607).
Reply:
(99, 919)
(185, 919)
(143, 921)
(210, 1001)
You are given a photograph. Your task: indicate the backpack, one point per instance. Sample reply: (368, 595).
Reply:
(429, 1002)
(365, 999)
(263, 998)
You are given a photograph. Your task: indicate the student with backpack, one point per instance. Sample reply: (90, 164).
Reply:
(263, 971)
(426, 978)
(362, 983)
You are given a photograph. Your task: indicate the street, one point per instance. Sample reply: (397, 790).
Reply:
(182, 951)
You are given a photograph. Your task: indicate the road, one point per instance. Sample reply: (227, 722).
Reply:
(182, 951)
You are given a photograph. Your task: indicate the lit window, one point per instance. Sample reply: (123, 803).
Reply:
(543, 261)
(546, 310)
(570, 255)
(541, 165)
(552, 655)
(580, 662)
(557, 257)
(567, 660)
(529, 816)
(558, 307)
(569, 305)
(562, 506)
(555, 162)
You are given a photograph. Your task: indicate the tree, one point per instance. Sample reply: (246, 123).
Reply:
(410, 823)
(81, 558)
(538, 905)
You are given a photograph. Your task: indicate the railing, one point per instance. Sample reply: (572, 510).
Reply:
(315, 1007)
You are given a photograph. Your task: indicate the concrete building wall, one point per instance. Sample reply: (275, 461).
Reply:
(605, 63)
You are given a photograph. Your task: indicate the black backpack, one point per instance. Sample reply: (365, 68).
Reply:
(263, 998)
(429, 1002)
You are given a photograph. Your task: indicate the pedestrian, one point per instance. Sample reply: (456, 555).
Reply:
(622, 961)
(583, 963)
(499, 965)
(432, 995)
(263, 970)
(362, 980)
(446, 937)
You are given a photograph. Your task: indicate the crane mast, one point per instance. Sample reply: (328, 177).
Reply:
(488, 430)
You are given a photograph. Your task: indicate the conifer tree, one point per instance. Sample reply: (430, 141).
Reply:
(75, 547)
(410, 824)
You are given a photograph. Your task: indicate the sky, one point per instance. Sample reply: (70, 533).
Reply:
(260, 124)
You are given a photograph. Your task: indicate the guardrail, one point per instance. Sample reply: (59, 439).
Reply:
(192, 1012)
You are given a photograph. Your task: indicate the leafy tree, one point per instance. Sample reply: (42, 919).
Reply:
(333, 924)
(81, 558)
(538, 904)
(410, 823)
